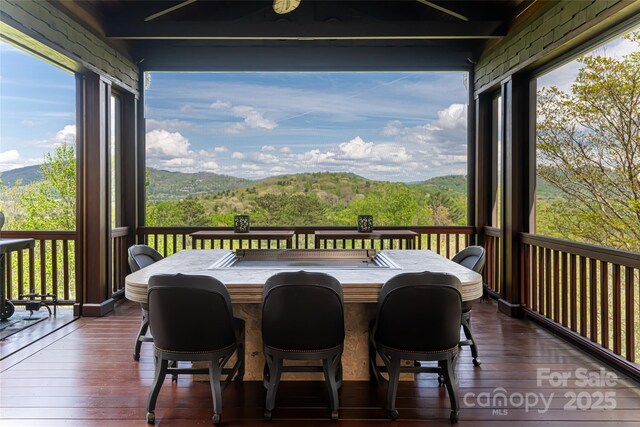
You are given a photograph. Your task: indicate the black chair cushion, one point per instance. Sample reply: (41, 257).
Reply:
(302, 312)
(419, 312)
(178, 302)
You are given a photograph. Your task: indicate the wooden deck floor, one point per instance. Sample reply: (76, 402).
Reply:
(83, 375)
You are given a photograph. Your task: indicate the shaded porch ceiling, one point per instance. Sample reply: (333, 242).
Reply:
(199, 35)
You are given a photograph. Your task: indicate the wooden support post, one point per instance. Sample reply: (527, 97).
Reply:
(130, 174)
(483, 170)
(93, 183)
(517, 203)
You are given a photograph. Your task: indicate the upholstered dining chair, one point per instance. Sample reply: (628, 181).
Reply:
(302, 319)
(418, 319)
(191, 319)
(472, 257)
(141, 256)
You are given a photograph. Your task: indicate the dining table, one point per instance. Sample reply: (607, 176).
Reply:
(361, 288)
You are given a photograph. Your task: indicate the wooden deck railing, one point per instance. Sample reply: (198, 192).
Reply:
(588, 291)
(446, 241)
(48, 268)
(491, 274)
(119, 265)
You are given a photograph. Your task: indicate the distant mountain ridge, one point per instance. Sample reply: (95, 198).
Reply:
(167, 185)
(26, 175)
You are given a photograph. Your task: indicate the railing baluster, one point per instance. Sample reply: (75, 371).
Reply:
(9, 275)
(629, 283)
(535, 300)
(43, 267)
(604, 304)
(593, 300)
(65, 269)
(54, 267)
(617, 314)
(20, 256)
(541, 287)
(565, 290)
(574, 292)
(583, 296)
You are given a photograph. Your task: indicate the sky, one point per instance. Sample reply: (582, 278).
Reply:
(387, 126)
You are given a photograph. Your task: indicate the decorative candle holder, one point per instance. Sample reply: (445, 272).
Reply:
(241, 224)
(365, 223)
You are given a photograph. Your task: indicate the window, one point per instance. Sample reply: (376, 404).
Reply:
(306, 148)
(588, 151)
(115, 156)
(496, 137)
(37, 143)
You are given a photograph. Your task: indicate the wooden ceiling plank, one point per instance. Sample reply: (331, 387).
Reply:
(168, 10)
(444, 10)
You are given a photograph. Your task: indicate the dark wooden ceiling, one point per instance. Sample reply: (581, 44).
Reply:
(319, 34)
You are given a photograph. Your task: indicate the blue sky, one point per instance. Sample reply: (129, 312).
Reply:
(392, 126)
(389, 126)
(37, 108)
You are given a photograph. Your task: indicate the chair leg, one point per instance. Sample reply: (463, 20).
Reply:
(331, 366)
(466, 327)
(274, 365)
(161, 371)
(374, 371)
(392, 390)
(451, 382)
(144, 326)
(216, 390)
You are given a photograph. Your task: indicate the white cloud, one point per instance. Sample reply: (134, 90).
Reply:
(285, 150)
(233, 128)
(163, 144)
(268, 148)
(238, 155)
(392, 128)
(220, 105)
(168, 125)
(12, 159)
(254, 118)
(171, 151)
(186, 108)
(10, 156)
(221, 149)
(454, 116)
(66, 135)
(357, 149)
(26, 122)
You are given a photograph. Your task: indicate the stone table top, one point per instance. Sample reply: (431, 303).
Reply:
(245, 285)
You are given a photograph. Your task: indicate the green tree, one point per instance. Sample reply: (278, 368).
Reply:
(588, 142)
(50, 204)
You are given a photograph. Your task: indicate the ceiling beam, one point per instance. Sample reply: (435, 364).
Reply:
(408, 30)
(156, 56)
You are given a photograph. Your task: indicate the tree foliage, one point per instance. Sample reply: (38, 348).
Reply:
(48, 204)
(588, 142)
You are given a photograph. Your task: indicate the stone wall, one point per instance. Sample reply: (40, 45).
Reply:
(46, 30)
(547, 34)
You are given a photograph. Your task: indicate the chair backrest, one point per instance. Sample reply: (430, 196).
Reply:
(141, 256)
(190, 313)
(302, 311)
(472, 257)
(1, 220)
(419, 312)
